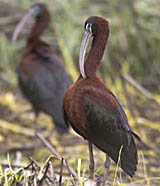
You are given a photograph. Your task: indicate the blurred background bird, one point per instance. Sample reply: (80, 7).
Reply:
(42, 76)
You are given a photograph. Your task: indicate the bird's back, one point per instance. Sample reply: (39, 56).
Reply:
(43, 81)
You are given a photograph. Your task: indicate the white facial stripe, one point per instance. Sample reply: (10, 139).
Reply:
(89, 27)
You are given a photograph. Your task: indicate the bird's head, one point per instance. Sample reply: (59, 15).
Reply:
(93, 26)
(37, 11)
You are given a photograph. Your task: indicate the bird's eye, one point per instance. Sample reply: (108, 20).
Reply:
(37, 9)
(37, 6)
(89, 27)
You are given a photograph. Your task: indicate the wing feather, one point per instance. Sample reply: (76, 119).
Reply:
(109, 129)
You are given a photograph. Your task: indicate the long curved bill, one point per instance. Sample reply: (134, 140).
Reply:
(24, 20)
(86, 38)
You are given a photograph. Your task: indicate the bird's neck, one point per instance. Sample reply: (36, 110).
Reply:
(95, 54)
(38, 28)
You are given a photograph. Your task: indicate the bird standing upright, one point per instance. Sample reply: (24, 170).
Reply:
(92, 109)
(42, 77)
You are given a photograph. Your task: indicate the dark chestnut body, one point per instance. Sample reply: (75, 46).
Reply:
(92, 109)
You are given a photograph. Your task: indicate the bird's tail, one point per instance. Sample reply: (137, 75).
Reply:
(129, 158)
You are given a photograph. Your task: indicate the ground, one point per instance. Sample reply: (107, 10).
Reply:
(18, 143)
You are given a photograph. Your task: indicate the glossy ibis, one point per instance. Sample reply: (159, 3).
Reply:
(92, 109)
(41, 74)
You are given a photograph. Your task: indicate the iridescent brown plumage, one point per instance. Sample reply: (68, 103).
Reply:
(92, 109)
(41, 73)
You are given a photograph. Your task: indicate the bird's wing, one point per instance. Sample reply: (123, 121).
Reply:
(51, 79)
(108, 128)
(105, 111)
(54, 64)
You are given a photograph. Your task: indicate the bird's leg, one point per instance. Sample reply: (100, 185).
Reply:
(35, 122)
(106, 169)
(91, 158)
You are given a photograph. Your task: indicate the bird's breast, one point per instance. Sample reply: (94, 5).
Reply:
(74, 106)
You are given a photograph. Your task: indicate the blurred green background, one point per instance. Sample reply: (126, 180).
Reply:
(130, 66)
